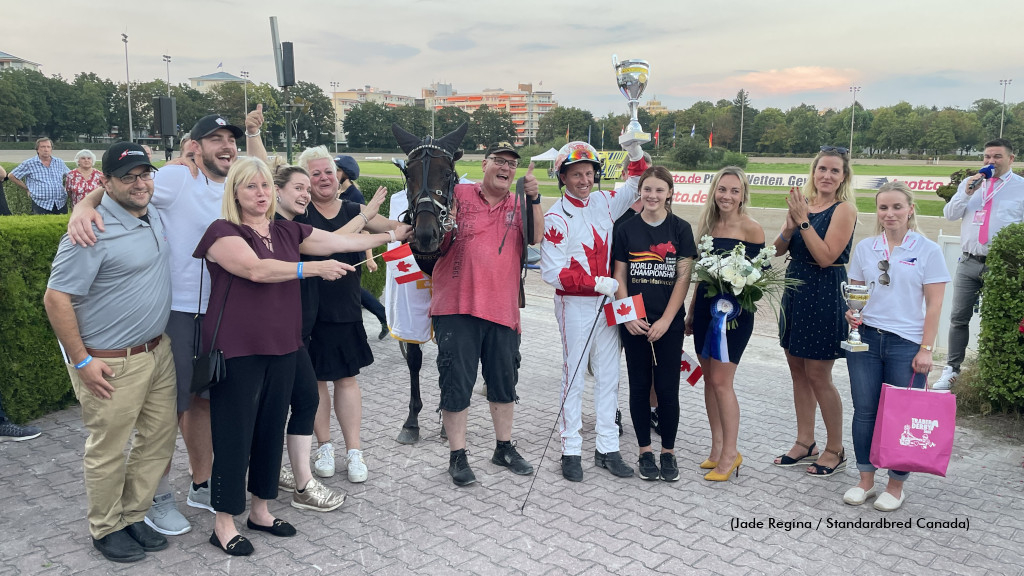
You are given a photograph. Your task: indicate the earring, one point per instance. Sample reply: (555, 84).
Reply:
(278, 198)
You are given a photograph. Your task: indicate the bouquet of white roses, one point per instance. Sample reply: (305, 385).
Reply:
(747, 280)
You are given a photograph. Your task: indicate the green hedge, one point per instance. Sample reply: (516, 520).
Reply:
(375, 282)
(33, 380)
(1001, 343)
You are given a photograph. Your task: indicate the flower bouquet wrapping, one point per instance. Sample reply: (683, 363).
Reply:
(735, 283)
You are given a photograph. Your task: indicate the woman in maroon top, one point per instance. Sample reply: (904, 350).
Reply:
(254, 262)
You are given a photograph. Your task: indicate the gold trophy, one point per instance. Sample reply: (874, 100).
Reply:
(631, 76)
(856, 296)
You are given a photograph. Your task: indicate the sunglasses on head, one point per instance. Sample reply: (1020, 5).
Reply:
(838, 149)
(883, 279)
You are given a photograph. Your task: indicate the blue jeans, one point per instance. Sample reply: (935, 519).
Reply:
(373, 305)
(888, 359)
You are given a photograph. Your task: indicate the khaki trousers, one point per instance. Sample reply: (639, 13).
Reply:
(120, 491)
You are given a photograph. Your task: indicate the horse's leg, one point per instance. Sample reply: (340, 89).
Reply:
(410, 433)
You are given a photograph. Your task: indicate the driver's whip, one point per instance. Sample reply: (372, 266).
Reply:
(566, 395)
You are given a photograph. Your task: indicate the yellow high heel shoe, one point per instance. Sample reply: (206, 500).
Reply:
(716, 477)
(708, 465)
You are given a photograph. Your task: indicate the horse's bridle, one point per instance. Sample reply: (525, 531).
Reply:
(436, 202)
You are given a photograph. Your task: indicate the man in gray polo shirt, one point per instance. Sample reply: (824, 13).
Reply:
(108, 305)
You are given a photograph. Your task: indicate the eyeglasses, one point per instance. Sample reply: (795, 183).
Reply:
(838, 149)
(130, 179)
(513, 164)
(883, 279)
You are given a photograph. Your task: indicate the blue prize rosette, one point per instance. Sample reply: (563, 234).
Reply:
(724, 309)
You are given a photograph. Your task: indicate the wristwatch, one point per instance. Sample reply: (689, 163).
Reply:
(927, 347)
(805, 225)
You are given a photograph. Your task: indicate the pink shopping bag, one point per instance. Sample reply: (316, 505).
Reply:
(914, 430)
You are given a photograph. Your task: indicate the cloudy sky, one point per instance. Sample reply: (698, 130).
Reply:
(933, 52)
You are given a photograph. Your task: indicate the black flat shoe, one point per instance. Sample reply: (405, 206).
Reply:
(238, 546)
(278, 528)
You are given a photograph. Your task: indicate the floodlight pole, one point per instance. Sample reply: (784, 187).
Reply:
(853, 113)
(1002, 112)
(128, 85)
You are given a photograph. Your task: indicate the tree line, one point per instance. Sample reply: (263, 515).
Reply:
(898, 129)
(88, 106)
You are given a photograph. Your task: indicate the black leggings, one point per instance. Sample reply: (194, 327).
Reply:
(247, 415)
(665, 377)
(305, 396)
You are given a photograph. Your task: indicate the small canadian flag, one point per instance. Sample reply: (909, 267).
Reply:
(690, 369)
(402, 264)
(625, 310)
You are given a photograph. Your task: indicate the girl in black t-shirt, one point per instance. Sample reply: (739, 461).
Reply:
(653, 254)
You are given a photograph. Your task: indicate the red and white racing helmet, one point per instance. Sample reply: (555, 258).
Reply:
(574, 152)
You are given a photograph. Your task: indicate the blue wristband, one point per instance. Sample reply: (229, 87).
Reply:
(83, 363)
(299, 270)
(783, 238)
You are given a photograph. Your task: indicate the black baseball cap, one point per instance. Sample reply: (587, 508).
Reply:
(209, 124)
(502, 146)
(122, 157)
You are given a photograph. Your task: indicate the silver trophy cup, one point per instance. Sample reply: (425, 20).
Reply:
(856, 297)
(631, 76)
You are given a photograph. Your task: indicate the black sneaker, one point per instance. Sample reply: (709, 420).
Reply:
(655, 421)
(149, 539)
(507, 456)
(618, 420)
(669, 470)
(11, 432)
(458, 468)
(572, 468)
(119, 547)
(613, 462)
(646, 468)
(383, 331)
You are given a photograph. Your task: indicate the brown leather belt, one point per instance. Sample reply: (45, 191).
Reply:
(123, 352)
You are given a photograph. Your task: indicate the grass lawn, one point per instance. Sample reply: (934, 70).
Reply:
(865, 202)
(867, 169)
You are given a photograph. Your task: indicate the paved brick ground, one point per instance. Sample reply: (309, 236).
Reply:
(409, 519)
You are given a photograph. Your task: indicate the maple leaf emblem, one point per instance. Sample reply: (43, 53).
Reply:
(623, 309)
(403, 266)
(684, 366)
(554, 236)
(612, 192)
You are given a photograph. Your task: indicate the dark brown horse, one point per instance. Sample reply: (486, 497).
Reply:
(430, 179)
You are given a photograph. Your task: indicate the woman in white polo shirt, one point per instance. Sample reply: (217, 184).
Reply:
(898, 324)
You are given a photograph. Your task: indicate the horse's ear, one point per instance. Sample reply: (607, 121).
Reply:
(457, 155)
(406, 141)
(453, 139)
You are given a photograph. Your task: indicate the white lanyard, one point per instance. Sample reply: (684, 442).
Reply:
(987, 197)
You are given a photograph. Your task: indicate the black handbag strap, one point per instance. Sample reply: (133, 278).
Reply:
(220, 315)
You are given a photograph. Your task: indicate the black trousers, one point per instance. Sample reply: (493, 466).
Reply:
(247, 415)
(665, 378)
(305, 396)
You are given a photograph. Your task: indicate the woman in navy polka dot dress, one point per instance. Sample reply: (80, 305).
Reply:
(818, 234)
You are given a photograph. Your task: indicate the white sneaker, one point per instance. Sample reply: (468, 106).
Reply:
(323, 461)
(946, 381)
(356, 466)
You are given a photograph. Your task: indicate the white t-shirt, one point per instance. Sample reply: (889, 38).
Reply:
(407, 305)
(899, 307)
(187, 206)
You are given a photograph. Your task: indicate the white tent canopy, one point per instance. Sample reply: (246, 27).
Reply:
(548, 156)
